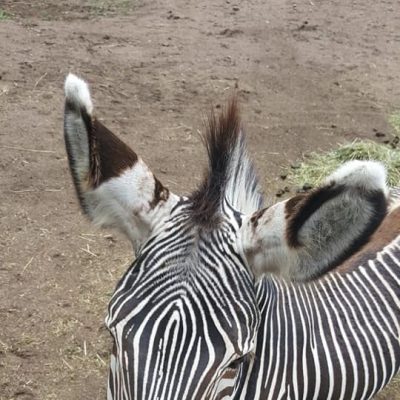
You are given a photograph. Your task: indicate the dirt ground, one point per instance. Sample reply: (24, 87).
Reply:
(309, 74)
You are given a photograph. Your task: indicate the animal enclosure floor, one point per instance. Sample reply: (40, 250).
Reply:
(309, 74)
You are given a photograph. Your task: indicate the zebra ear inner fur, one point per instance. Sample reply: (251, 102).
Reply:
(353, 186)
(114, 186)
(310, 234)
(300, 208)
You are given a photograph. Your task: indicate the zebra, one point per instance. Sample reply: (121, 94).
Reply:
(228, 298)
(335, 337)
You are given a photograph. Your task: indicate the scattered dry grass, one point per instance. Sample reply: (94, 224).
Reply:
(394, 120)
(63, 9)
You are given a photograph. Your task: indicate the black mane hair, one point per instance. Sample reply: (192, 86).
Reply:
(230, 174)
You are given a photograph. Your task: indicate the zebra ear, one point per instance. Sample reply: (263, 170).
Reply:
(311, 233)
(114, 186)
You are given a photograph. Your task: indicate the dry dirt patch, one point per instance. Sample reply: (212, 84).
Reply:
(308, 76)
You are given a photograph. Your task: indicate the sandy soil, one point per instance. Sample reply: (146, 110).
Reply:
(309, 74)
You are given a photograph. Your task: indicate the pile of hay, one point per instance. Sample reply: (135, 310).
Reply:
(317, 166)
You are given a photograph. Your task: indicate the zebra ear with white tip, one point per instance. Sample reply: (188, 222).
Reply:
(114, 186)
(311, 233)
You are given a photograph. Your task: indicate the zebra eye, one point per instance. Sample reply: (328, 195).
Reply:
(236, 363)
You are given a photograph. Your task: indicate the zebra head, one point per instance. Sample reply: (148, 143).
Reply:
(184, 318)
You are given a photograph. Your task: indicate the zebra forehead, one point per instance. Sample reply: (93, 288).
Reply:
(195, 274)
(211, 296)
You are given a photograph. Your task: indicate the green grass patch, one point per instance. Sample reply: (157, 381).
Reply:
(317, 166)
(105, 7)
(3, 15)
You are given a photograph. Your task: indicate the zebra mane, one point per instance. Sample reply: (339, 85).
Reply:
(230, 173)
